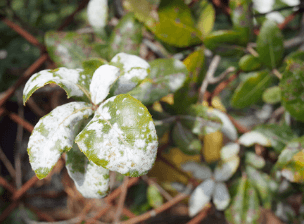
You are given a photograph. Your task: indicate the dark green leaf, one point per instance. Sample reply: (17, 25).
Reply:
(249, 63)
(272, 95)
(206, 18)
(270, 45)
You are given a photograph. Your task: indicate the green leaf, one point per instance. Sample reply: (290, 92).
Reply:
(241, 11)
(245, 205)
(155, 199)
(206, 19)
(133, 70)
(185, 140)
(166, 76)
(126, 37)
(249, 63)
(195, 63)
(272, 95)
(69, 49)
(121, 137)
(279, 135)
(262, 183)
(292, 89)
(254, 160)
(54, 134)
(175, 25)
(270, 45)
(251, 89)
(91, 181)
(73, 81)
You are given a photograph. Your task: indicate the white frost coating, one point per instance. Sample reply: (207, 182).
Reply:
(221, 197)
(288, 175)
(199, 171)
(134, 67)
(92, 183)
(104, 112)
(254, 137)
(178, 64)
(98, 13)
(201, 196)
(54, 132)
(102, 81)
(67, 77)
(229, 150)
(176, 81)
(224, 171)
(228, 128)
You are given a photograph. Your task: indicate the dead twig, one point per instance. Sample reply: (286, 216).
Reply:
(203, 214)
(7, 164)
(163, 192)
(121, 200)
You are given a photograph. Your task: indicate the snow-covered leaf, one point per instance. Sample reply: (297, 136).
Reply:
(68, 79)
(201, 196)
(54, 134)
(226, 169)
(133, 70)
(121, 137)
(98, 13)
(228, 128)
(254, 137)
(254, 160)
(221, 197)
(102, 80)
(91, 181)
(199, 171)
(229, 150)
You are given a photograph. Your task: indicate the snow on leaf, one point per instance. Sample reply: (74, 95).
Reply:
(133, 70)
(102, 81)
(229, 150)
(226, 169)
(68, 79)
(201, 196)
(98, 13)
(54, 134)
(121, 137)
(199, 171)
(91, 181)
(254, 137)
(221, 197)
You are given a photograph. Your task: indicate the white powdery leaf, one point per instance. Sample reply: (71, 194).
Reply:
(66, 78)
(134, 68)
(229, 150)
(225, 170)
(254, 137)
(98, 13)
(221, 197)
(121, 137)
(91, 181)
(199, 171)
(102, 80)
(54, 134)
(228, 128)
(201, 196)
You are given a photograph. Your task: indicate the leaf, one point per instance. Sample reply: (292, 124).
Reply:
(254, 160)
(241, 19)
(185, 140)
(201, 196)
(249, 63)
(194, 62)
(229, 151)
(198, 170)
(251, 89)
(245, 205)
(54, 134)
(175, 25)
(272, 95)
(70, 80)
(270, 45)
(91, 181)
(292, 89)
(279, 135)
(224, 170)
(102, 81)
(126, 37)
(98, 14)
(254, 137)
(69, 49)
(213, 143)
(155, 199)
(166, 76)
(133, 69)
(221, 197)
(121, 137)
(206, 19)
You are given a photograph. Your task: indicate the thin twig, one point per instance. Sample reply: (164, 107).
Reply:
(288, 19)
(163, 192)
(7, 164)
(221, 86)
(35, 108)
(7, 186)
(28, 126)
(203, 214)
(121, 200)
(19, 138)
(219, 78)
(157, 48)
(18, 194)
(277, 73)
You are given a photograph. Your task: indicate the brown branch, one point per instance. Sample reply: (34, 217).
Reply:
(203, 214)
(238, 126)
(287, 20)
(219, 4)
(121, 200)
(18, 194)
(7, 186)
(28, 126)
(7, 164)
(40, 214)
(220, 87)
(163, 192)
